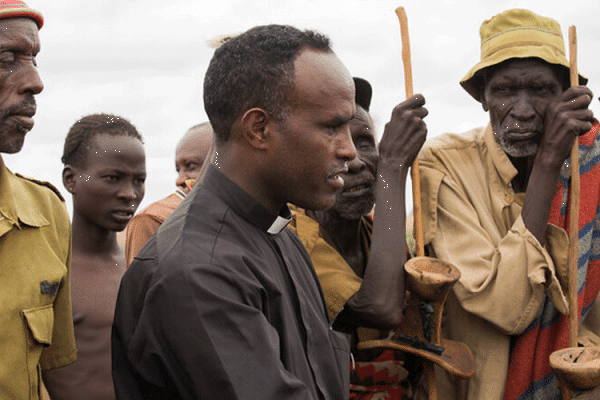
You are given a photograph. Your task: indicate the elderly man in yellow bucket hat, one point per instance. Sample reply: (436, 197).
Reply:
(494, 202)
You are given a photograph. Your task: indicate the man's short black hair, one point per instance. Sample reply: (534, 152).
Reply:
(255, 69)
(78, 140)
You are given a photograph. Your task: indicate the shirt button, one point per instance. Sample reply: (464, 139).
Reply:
(508, 197)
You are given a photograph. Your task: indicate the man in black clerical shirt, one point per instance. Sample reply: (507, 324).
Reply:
(223, 302)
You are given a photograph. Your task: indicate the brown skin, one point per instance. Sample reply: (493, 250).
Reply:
(380, 299)
(19, 81)
(190, 153)
(299, 159)
(537, 121)
(106, 191)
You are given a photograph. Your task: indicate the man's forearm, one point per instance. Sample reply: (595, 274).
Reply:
(379, 301)
(538, 198)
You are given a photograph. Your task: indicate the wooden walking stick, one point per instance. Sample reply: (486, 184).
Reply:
(415, 178)
(574, 206)
(577, 368)
(414, 171)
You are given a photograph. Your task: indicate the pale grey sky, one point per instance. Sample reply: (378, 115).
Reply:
(145, 60)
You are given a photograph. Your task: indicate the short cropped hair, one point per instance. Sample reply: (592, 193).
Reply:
(78, 140)
(255, 69)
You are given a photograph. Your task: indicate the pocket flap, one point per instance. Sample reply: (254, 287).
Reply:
(41, 322)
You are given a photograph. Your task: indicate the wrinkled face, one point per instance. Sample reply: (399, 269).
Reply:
(108, 189)
(358, 194)
(517, 95)
(19, 81)
(190, 154)
(313, 143)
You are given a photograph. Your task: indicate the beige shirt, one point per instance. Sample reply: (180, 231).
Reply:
(472, 219)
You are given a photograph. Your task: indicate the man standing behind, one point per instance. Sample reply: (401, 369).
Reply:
(190, 154)
(223, 302)
(104, 171)
(359, 260)
(495, 200)
(36, 330)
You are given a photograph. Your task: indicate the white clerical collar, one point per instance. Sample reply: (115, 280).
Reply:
(180, 193)
(278, 225)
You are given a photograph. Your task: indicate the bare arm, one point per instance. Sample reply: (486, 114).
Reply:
(567, 118)
(379, 301)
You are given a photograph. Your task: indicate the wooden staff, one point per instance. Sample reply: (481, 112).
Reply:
(574, 207)
(416, 183)
(577, 368)
(414, 172)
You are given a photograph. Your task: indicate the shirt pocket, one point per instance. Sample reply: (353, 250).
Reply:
(40, 322)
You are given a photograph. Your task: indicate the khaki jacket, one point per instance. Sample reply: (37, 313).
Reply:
(472, 219)
(36, 326)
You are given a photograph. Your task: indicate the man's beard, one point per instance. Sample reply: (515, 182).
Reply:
(524, 149)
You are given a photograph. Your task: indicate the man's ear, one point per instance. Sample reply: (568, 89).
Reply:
(482, 99)
(256, 125)
(69, 177)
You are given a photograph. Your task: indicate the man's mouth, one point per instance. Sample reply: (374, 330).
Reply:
(122, 215)
(22, 116)
(24, 122)
(356, 188)
(522, 135)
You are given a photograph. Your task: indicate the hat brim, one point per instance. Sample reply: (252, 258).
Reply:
(473, 80)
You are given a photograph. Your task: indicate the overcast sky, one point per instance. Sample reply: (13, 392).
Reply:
(145, 61)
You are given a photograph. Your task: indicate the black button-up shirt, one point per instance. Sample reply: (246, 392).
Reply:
(223, 303)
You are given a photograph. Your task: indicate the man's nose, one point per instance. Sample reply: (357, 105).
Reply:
(522, 108)
(29, 80)
(346, 149)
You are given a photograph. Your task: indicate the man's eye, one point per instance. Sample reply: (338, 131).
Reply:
(501, 89)
(364, 144)
(7, 57)
(543, 89)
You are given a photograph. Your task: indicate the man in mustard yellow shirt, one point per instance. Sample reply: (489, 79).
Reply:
(359, 261)
(36, 328)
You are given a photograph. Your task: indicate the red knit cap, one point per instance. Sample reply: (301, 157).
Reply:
(17, 8)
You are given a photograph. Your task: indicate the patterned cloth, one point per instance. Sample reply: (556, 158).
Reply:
(382, 378)
(530, 375)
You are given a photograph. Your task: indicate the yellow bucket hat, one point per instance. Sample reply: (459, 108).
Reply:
(517, 34)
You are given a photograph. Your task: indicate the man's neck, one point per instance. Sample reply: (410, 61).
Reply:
(345, 236)
(523, 166)
(91, 240)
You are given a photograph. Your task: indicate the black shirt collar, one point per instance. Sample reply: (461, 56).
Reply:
(243, 204)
